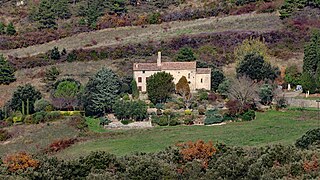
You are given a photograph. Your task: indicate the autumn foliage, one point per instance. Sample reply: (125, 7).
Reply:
(59, 145)
(312, 165)
(197, 151)
(20, 161)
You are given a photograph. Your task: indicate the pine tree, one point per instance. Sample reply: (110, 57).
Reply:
(45, 15)
(2, 28)
(312, 54)
(6, 72)
(185, 54)
(10, 29)
(101, 92)
(61, 9)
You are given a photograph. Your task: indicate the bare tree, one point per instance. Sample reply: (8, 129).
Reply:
(244, 90)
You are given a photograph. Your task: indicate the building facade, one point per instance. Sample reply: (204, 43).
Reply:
(198, 78)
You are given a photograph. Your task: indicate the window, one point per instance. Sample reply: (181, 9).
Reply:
(143, 72)
(147, 78)
(189, 76)
(139, 79)
(201, 80)
(140, 88)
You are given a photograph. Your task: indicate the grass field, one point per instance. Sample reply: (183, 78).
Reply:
(34, 138)
(269, 128)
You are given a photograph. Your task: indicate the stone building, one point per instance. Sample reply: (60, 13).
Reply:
(198, 78)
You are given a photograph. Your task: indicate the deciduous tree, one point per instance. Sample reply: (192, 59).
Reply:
(251, 46)
(183, 88)
(244, 90)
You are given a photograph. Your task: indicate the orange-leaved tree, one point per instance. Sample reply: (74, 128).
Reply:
(20, 161)
(197, 151)
(183, 88)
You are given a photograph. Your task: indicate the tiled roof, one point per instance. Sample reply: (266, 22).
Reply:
(145, 67)
(203, 71)
(164, 66)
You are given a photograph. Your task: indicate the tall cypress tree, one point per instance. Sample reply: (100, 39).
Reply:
(6, 72)
(312, 54)
(311, 64)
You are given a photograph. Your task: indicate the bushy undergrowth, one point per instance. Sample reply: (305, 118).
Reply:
(274, 39)
(197, 160)
(27, 38)
(312, 137)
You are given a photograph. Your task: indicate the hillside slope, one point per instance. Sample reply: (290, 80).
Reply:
(137, 34)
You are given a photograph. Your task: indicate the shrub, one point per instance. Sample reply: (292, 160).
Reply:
(197, 151)
(55, 54)
(212, 117)
(212, 97)
(4, 134)
(154, 18)
(70, 113)
(281, 103)
(136, 110)
(104, 121)
(41, 105)
(17, 117)
(59, 145)
(29, 119)
(54, 115)
(72, 56)
(248, 116)
(173, 122)
(51, 74)
(201, 110)
(126, 121)
(310, 137)
(188, 121)
(160, 120)
(78, 122)
(20, 161)
(39, 117)
(187, 112)
(266, 94)
(203, 96)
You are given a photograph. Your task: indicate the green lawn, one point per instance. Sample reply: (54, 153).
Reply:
(269, 128)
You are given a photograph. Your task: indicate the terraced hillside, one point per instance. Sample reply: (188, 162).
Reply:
(137, 34)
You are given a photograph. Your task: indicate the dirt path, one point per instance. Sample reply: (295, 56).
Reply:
(137, 34)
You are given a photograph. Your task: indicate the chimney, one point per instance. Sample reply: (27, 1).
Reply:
(159, 59)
